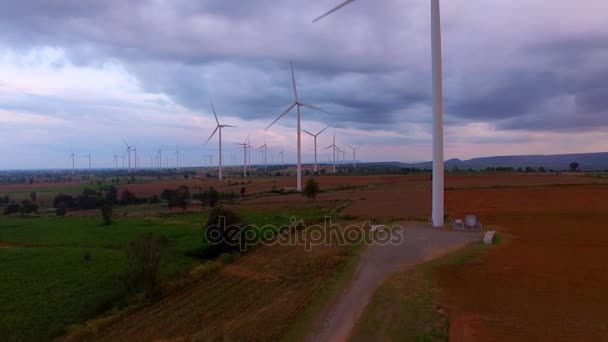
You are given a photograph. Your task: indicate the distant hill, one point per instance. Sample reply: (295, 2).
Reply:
(587, 162)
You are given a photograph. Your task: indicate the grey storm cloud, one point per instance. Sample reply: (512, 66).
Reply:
(367, 64)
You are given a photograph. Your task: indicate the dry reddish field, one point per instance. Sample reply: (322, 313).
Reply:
(7, 187)
(548, 281)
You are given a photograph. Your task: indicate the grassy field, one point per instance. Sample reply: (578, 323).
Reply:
(404, 309)
(46, 284)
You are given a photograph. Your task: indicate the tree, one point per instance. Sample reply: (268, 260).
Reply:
(12, 208)
(33, 196)
(128, 197)
(111, 195)
(311, 189)
(574, 166)
(542, 170)
(224, 233)
(182, 197)
(61, 209)
(28, 207)
(106, 214)
(213, 196)
(143, 256)
(243, 191)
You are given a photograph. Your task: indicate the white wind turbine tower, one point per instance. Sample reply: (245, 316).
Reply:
(315, 138)
(335, 149)
(354, 155)
(128, 152)
(297, 103)
(88, 156)
(264, 148)
(218, 128)
(115, 161)
(159, 155)
(72, 156)
(244, 145)
(437, 77)
(176, 157)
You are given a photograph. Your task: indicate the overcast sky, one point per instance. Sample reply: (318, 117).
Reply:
(520, 77)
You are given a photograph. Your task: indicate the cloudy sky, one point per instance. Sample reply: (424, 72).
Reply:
(520, 77)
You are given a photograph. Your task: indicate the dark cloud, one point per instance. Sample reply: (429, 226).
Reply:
(367, 65)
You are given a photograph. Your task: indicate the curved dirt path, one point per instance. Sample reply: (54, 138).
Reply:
(421, 243)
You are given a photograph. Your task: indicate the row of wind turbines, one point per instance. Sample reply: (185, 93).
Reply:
(298, 104)
(437, 90)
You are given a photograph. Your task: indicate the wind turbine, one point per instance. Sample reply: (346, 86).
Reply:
(297, 103)
(159, 155)
(176, 157)
(72, 155)
(115, 161)
(265, 149)
(315, 137)
(437, 80)
(218, 128)
(335, 149)
(89, 156)
(128, 151)
(354, 155)
(244, 145)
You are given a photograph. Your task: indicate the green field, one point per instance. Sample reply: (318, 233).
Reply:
(46, 284)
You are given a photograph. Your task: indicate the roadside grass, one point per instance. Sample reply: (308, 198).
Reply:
(57, 272)
(404, 309)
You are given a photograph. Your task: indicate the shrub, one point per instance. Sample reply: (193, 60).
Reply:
(228, 232)
(143, 259)
(213, 196)
(12, 208)
(28, 207)
(311, 189)
(205, 270)
(61, 209)
(227, 258)
(106, 214)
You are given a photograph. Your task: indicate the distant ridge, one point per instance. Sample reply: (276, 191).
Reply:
(587, 162)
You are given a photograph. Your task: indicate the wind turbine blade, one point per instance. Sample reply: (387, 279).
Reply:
(214, 114)
(307, 132)
(280, 116)
(333, 10)
(212, 134)
(123, 140)
(229, 126)
(328, 147)
(323, 130)
(313, 107)
(293, 82)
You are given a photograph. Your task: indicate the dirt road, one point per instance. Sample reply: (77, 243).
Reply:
(420, 243)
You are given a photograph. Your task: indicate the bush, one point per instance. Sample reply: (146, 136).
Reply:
(106, 214)
(12, 208)
(143, 259)
(228, 232)
(61, 209)
(213, 196)
(227, 258)
(205, 270)
(311, 189)
(28, 207)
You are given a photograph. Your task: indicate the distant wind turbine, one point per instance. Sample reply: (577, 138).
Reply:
(72, 155)
(128, 152)
(244, 145)
(354, 155)
(264, 148)
(315, 138)
(218, 128)
(88, 156)
(297, 103)
(437, 80)
(335, 149)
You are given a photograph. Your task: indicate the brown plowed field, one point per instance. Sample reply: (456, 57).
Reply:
(548, 281)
